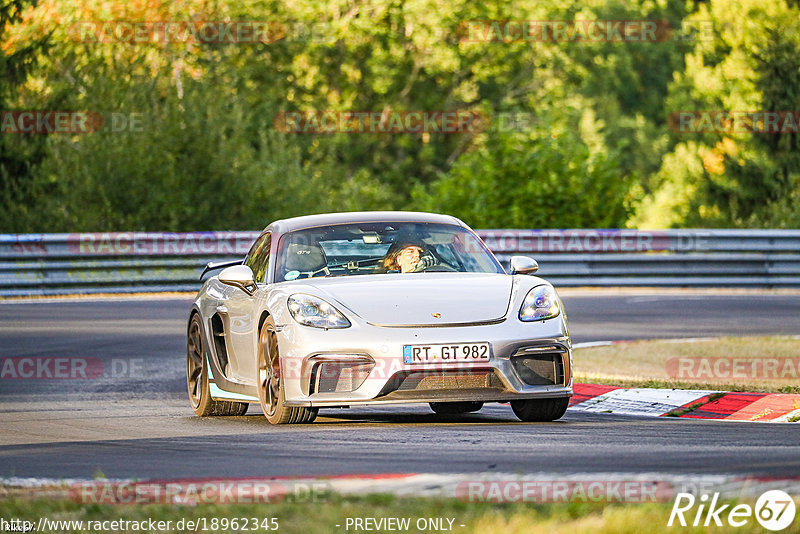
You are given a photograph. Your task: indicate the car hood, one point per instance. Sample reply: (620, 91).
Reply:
(417, 299)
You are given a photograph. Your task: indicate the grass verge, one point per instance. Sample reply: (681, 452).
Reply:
(333, 510)
(761, 364)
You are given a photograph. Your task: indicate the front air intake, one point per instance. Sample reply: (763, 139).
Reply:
(220, 347)
(339, 376)
(545, 369)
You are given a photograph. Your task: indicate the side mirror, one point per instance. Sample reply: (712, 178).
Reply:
(240, 276)
(522, 265)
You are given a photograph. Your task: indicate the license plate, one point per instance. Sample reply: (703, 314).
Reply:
(447, 352)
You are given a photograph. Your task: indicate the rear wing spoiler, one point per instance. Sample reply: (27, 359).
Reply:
(213, 265)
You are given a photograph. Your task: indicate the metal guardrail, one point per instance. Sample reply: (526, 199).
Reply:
(51, 264)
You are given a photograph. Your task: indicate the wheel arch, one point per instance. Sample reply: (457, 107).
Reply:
(194, 311)
(261, 319)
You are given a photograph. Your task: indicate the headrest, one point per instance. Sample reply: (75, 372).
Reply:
(304, 258)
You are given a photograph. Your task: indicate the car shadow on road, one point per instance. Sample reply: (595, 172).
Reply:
(336, 417)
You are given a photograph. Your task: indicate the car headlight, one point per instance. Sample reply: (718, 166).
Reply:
(313, 311)
(540, 303)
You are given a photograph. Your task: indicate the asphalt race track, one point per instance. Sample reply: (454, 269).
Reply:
(135, 421)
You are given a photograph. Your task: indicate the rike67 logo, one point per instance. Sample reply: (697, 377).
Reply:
(774, 510)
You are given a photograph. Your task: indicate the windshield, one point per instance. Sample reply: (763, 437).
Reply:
(381, 248)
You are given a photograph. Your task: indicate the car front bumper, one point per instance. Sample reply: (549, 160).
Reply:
(363, 364)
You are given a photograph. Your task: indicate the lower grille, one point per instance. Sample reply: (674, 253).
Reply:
(438, 382)
(421, 380)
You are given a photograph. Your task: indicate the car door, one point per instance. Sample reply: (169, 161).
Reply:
(242, 313)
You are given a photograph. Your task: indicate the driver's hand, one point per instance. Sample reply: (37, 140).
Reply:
(424, 262)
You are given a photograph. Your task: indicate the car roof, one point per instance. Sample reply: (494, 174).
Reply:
(325, 219)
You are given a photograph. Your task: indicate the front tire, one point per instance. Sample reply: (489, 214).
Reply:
(455, 408)
(538, 410)
(270, 382)
(197, 377)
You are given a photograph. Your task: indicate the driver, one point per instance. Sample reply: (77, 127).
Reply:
(407, 257)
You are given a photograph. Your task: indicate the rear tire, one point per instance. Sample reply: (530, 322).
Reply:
(455, 408)
(270, 382)
(537, 410)
(197, 376)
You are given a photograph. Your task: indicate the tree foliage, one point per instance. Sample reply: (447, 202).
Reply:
(593, 149)
(747, 178)
(18, 154)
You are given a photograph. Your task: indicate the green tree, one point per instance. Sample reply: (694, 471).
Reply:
(558, 175)
(746, 178)
(18, 153)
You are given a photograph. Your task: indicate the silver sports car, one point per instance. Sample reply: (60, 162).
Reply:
(376, 308)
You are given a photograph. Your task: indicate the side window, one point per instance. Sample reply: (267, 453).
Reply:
(258, 258)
